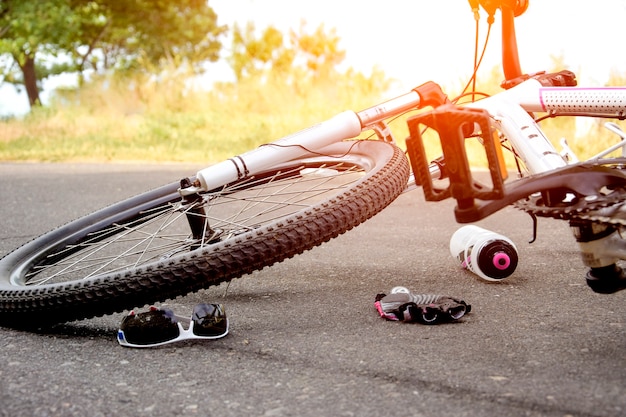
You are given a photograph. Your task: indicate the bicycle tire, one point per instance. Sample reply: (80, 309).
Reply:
(377, 174)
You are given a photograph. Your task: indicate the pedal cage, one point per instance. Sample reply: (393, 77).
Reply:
(453, 124)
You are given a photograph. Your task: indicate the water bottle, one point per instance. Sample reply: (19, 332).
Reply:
(489, 255)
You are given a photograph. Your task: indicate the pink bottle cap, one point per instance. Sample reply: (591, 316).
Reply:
(501, 260)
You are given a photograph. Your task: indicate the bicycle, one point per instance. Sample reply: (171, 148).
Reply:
(285, 197)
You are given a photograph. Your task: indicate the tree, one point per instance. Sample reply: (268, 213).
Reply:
(320, 49)
(47, 37)
(23, 28)
(318, 53)
(252, 54)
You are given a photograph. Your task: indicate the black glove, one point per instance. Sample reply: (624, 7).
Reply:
(402, 305)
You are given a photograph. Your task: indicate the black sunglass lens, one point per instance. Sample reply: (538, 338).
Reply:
(209, 320)
(155, 326)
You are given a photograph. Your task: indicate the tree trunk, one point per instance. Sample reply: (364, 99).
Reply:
(30, 81)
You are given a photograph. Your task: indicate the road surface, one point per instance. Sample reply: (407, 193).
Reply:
(305, 339)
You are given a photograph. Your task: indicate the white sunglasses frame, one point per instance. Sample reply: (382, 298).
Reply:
(183, 334)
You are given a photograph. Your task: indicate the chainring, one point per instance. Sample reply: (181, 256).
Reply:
(605, 206)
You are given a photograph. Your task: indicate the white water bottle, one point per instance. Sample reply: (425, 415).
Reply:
(489, 255)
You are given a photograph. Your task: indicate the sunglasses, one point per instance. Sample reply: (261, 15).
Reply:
(157, 327)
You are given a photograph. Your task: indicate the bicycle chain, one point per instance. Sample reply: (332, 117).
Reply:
(609, 209)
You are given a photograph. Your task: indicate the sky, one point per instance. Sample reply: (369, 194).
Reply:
(414, 41)
(421, 40)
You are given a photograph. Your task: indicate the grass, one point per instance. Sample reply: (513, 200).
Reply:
(175, 121)
(143, 120)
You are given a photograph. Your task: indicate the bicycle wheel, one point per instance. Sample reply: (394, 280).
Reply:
(157, 245)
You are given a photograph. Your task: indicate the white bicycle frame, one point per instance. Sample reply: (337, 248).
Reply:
(509, 111)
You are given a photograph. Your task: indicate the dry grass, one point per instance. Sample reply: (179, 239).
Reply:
(174, 120)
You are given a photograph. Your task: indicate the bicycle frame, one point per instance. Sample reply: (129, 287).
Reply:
(509, 110)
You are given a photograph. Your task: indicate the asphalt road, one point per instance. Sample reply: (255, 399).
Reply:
(305, 339)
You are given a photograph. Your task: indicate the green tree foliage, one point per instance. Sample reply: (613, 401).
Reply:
(316, 54)
(252, 54)
(46, 37)
(320, 49)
